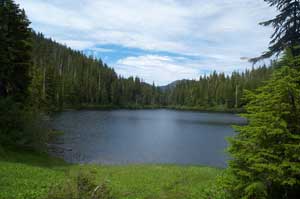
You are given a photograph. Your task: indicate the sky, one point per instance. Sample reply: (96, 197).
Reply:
(158, 40)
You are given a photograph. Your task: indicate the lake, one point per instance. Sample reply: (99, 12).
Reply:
(144, 136)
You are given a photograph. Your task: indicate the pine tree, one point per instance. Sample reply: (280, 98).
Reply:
(4, 46)
(266, 152)
(287, 28)
(15, 64)
(15, 58)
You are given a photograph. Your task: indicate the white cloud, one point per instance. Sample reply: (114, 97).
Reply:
(151, 24)
(216, 32)
(77, 44)
(165, 69)
(161, 69)
(46, 13)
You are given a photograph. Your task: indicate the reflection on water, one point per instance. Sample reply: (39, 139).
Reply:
(144, 136)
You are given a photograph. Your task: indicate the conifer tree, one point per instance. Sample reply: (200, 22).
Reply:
(266, 152)
(286, 28)
(15, 64)
(15, 53)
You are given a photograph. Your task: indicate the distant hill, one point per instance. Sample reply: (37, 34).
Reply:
(172, 85)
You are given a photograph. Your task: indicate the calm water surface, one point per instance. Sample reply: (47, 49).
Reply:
(144, 136)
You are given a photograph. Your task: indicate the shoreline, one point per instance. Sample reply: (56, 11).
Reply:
(156, 107)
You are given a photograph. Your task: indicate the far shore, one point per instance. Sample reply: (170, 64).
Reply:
(214, 109)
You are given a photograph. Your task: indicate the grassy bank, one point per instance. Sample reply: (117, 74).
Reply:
(29, 175)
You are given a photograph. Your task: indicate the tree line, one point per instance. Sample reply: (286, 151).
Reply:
(217, 89)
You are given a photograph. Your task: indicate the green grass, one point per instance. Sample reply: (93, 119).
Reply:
(28, 175)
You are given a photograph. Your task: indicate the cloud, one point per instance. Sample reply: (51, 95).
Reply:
(216, 34)
(46, 13)
(77, 44)
(162, 69)
(165, 69)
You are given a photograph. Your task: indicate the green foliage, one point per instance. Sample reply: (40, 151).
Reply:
(15, 51)
(10, 121)
(266, 160)
(18, 125)
(217, 189)
(21, 126)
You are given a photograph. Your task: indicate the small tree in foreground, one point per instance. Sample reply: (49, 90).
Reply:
(266, 152)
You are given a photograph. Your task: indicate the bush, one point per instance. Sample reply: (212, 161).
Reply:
(218, 189)
(83, 186)
(10, 121)
(20, 126)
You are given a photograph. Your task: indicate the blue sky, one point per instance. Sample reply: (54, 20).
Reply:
(158, 40)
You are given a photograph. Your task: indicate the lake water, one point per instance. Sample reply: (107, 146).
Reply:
(144, 136)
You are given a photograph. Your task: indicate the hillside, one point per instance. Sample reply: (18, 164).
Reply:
(171, 85)
(63, 77)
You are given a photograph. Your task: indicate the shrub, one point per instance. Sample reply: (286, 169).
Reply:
(20, 126)
(83, 186)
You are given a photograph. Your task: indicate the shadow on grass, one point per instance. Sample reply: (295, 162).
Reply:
(30, 157)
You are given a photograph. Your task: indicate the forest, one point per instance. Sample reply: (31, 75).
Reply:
(65, 78)
(39, 76)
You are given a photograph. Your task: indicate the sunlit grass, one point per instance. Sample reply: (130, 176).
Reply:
(25, 175)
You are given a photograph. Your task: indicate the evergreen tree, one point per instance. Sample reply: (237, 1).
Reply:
(286, 28)
(15, 64)
(266, 152)
(15, 51)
